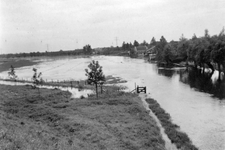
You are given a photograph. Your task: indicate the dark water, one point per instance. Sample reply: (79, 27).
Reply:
(207, 82)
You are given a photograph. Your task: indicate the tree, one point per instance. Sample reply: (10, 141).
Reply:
(36, 78)
(194, 37)
(95, 75)
(160, 48)
(144, 43)
(153, 42)
(87, 49)
(124, 46)
(167, 53)
(193, 49)
(133, 53)
(182, 48)
(136, 43)
(12, 73)
(163, 40)
(218, 52)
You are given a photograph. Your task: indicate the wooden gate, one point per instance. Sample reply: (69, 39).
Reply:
(141, 89)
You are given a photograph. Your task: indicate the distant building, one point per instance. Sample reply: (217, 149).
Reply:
(151, 53)
(140, 49)
(151, 50)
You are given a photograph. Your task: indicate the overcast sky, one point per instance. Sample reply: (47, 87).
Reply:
(31, 25)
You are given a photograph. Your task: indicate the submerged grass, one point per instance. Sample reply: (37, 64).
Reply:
(179, 138)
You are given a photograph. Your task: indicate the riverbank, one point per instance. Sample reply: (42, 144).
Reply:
(179, 138)
(54, 120)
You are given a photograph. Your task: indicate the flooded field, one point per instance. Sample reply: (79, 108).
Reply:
(76, 93)
(195, 102)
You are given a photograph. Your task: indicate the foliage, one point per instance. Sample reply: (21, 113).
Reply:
(87, 49)
(144, 43)
(95, 75)
(36, 78)
(153, 42)
(136, 43)
(182, 47)
(203, 51)
(12, 73)
(160, 49)
(126, 46)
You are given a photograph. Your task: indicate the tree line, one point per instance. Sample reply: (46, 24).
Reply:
(204, 51)
(47, 53)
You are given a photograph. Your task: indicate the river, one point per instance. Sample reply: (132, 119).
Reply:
(196, 102)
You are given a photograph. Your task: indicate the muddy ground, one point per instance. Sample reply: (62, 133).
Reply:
(51, 119)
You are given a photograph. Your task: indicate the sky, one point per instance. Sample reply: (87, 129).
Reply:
(53, 25)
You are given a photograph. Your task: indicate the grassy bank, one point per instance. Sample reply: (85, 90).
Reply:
(54, 120)
(176, 136)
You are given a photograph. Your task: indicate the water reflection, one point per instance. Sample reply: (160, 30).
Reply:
(166, 72)
(204, 82)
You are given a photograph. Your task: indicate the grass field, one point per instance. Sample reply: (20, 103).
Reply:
(54, 120)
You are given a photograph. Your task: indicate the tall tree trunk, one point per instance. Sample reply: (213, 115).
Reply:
(223, 67)
(219, 69)
(96, 88)
(203, 68)
(200, 70)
